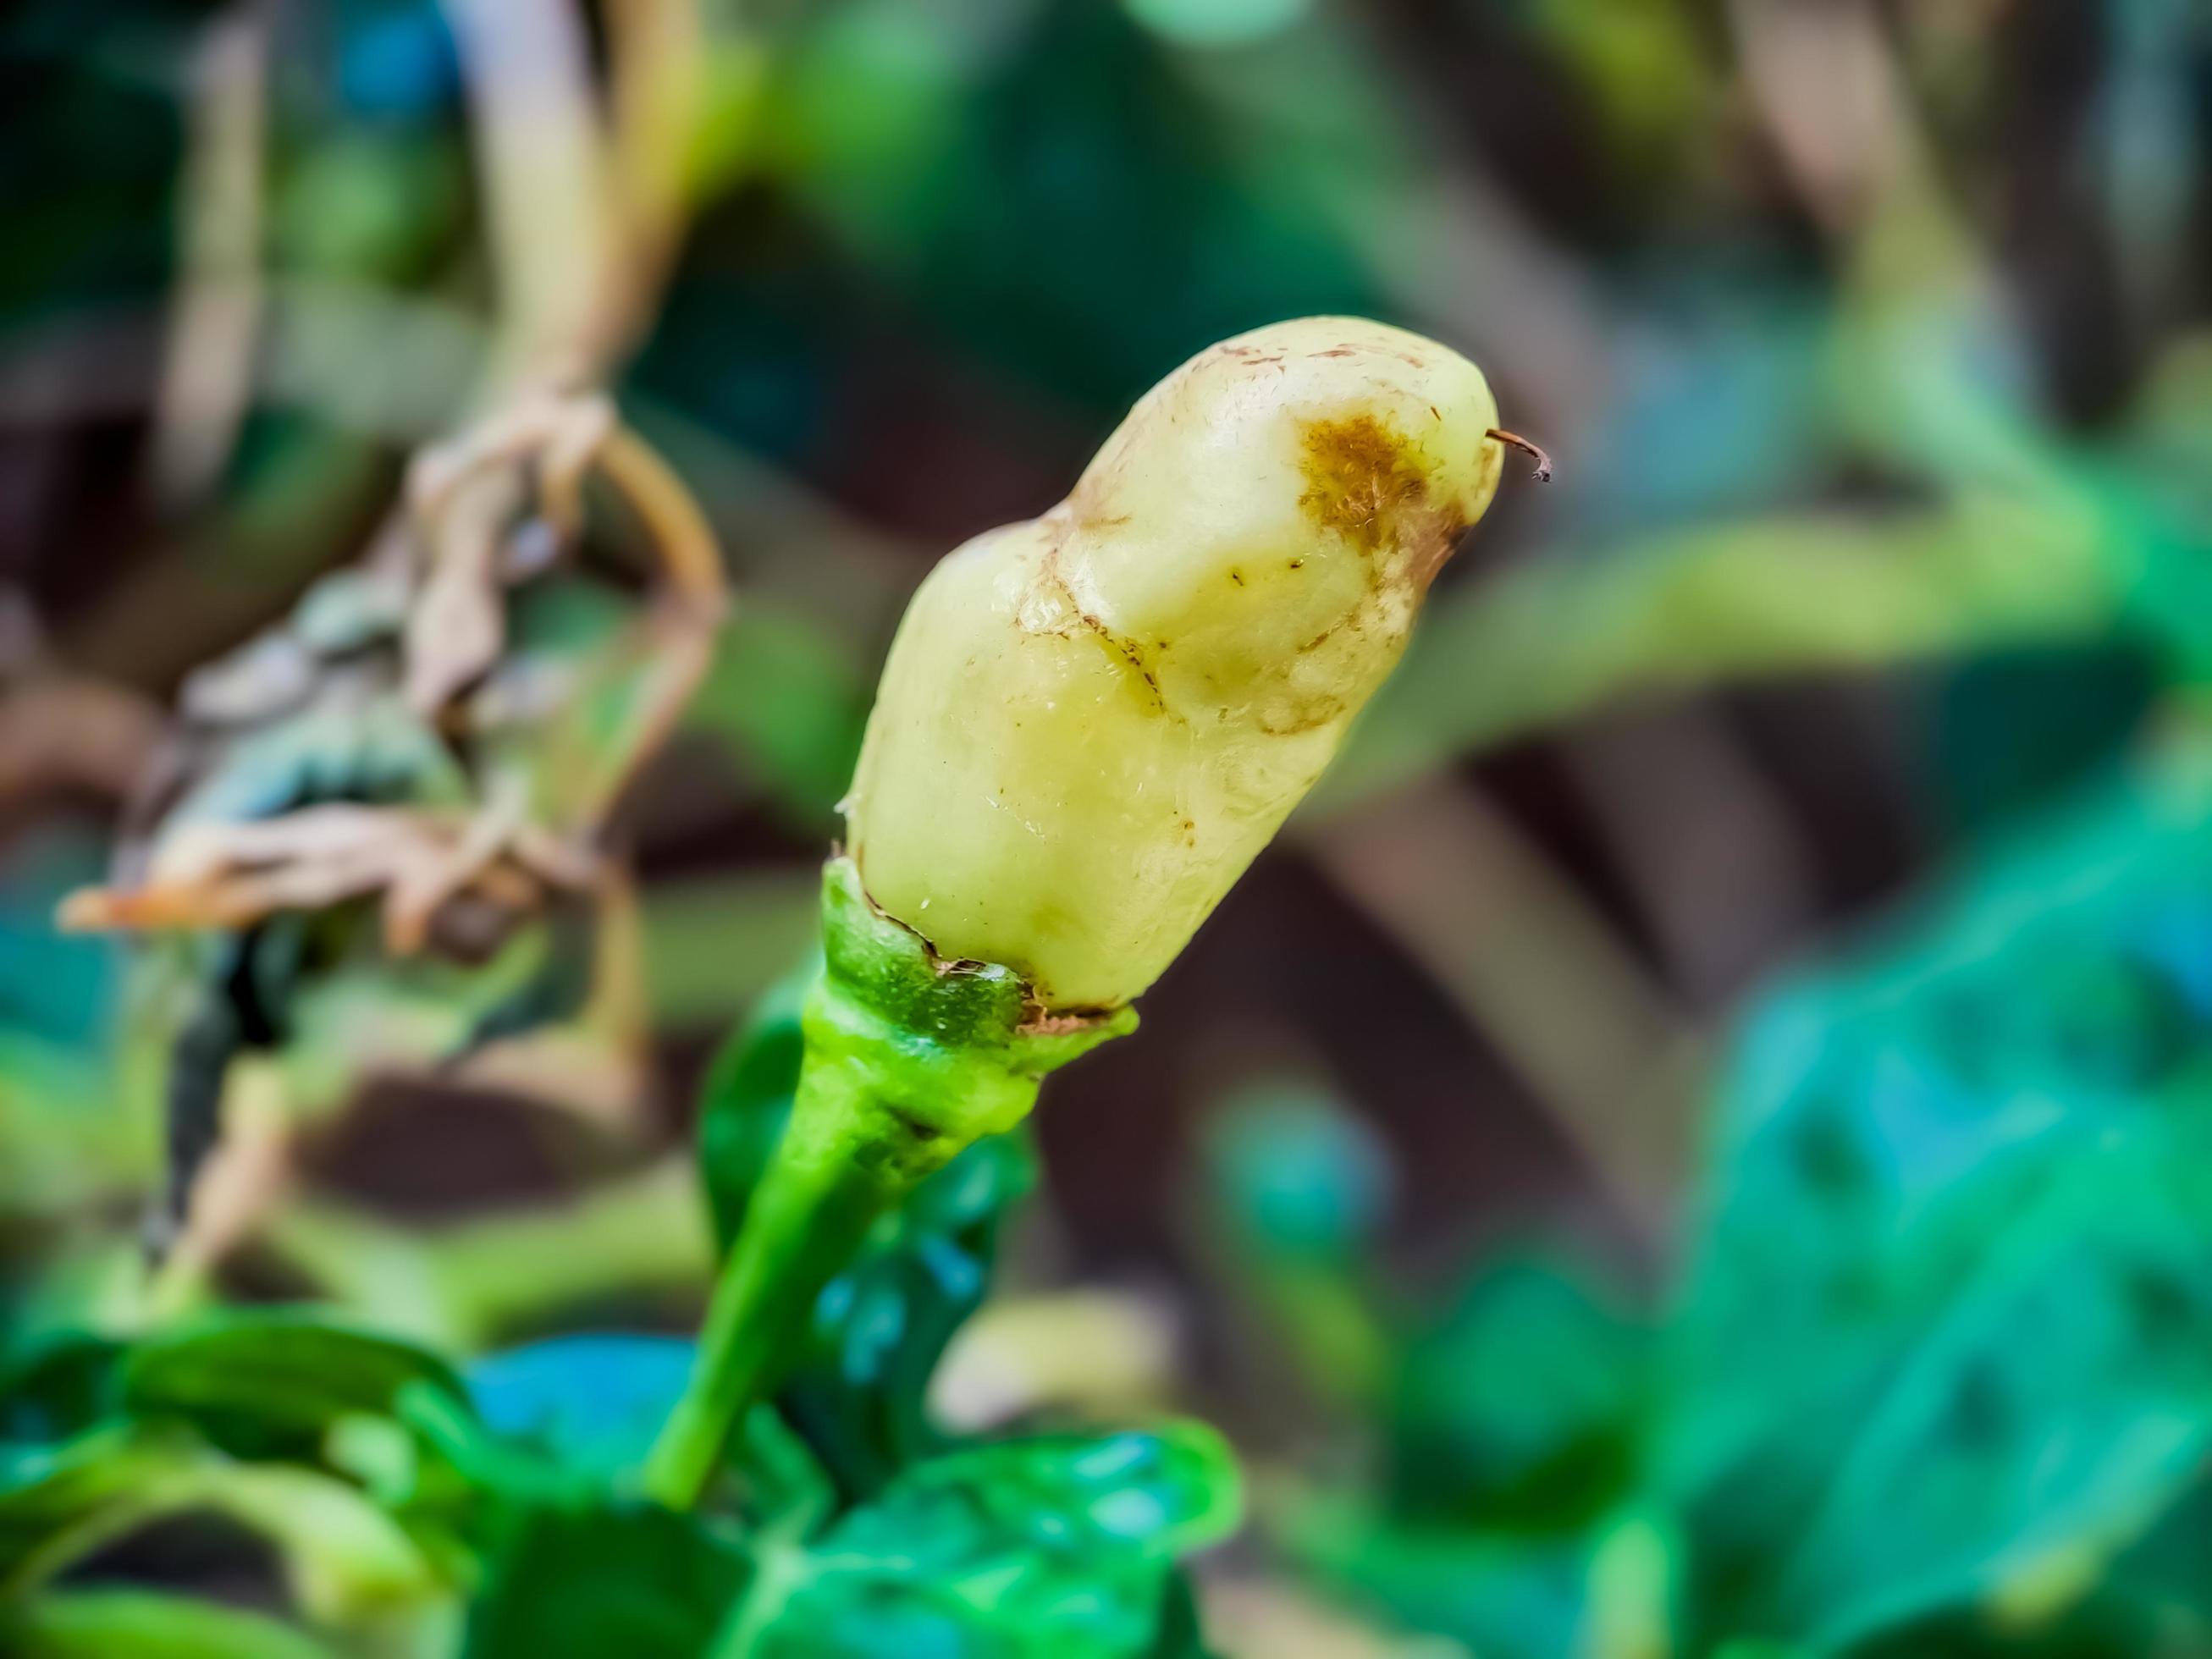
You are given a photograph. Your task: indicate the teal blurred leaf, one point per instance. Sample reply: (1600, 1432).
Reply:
(59, 1386)
(1297, 1176)
(2009, 733)
(55, 988)
(1060, 1547)
(1508, 1422)
(591, 1404)
(860, 1396)
(1504, 1596)
(1300, 1187)
(1522, 1407)
(1950, 1317)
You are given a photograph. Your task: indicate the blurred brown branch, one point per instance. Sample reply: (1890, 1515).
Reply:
(1535, 970)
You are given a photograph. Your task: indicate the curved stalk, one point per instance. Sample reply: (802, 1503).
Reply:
(910, 1060)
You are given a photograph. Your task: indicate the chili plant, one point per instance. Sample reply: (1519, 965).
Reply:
(1088, 726)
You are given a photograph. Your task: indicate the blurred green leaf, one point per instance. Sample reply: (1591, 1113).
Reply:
(1300, 1187)
(52, 1496)
(860, 1395)
(123, 1623)
(1949, 1319)
(271, 1382)
(345, 1559)
(792, 702)
(713, 947)
(596, 1579)
(1522, 1407)
(1504, 1596)
(67, 1140)
(369, 205)
(509, 1270)
(60, 1386)
(1058, 1546)
(2103, 1625)
(1181, 1634)
(1159, 1493)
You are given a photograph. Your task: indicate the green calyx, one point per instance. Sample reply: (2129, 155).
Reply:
(922, 1056)
(909, 1060)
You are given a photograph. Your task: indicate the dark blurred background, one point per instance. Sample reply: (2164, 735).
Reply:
(1873, 344)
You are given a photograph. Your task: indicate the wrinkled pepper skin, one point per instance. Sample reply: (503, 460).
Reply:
(1092, 722)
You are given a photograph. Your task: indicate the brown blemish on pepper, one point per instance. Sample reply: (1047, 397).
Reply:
(1360, 479)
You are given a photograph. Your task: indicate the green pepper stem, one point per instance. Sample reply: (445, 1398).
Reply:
(908, 1061)
(813, 1208)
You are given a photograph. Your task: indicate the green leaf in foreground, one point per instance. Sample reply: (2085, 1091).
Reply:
(344, 1558)
(116, 1624)
(1062, 1547)
(56, 1500)
(271, 1381)
(597, 1579)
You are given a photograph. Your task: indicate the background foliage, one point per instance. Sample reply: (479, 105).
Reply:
(1689, 1147)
